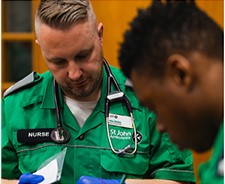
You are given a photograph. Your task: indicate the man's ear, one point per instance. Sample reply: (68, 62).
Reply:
(100, 32)
(179, 68)
(36, 41)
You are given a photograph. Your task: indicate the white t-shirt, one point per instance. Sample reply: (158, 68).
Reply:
(81, 110)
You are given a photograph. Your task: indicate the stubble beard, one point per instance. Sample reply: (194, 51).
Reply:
(92, 85)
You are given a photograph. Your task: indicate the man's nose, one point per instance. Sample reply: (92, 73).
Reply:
(74, 70)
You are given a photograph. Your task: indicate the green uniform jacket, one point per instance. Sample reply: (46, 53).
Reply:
(212, 172)
(88, 151)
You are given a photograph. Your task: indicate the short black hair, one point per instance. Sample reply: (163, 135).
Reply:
(165, 28)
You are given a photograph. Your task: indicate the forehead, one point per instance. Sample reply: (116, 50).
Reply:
(80, 36)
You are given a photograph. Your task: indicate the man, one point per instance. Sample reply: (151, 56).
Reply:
(173, 53)
(66, 107)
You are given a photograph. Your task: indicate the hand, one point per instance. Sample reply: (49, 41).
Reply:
(30, 179)
(92, 180)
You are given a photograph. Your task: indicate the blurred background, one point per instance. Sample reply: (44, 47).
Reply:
(20, 54)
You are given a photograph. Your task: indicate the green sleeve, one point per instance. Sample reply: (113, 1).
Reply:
(212, 171)
(9, 157)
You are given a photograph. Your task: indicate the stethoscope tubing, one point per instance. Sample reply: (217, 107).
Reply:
(128, 105)
(56, 100)
(59, 135)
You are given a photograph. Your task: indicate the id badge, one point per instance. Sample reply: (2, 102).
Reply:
(120, 121)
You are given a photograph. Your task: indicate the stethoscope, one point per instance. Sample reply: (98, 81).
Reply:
(60, 135)
(115, 96)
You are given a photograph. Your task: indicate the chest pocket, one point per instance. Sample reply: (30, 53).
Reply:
(134, 165)
(120, 136)
(30, 157)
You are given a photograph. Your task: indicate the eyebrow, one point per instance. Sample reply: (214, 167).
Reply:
(85, 50)
(55, 60)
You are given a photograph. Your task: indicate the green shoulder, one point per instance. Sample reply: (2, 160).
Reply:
(26, 82)
(120, 77)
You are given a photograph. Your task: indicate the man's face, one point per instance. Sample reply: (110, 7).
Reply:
(74, 57)
(177, 110)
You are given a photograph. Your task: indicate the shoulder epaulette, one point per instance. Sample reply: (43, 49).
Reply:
(29, 79)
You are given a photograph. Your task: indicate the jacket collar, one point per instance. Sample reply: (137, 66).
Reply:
(48, 99)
